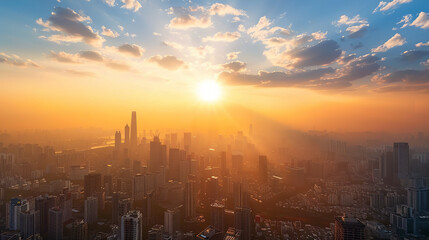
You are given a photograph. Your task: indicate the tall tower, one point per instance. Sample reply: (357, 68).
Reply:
(91, 210)
(133, 139)
(117, 140)
(190, 200)
(127, 136)
(401, 158)
(131, 226)
(55, 223)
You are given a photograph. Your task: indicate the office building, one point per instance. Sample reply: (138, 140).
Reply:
(133, 137)
(131, 226)
(347, 228)
(29, 223)
(55, 224)
(263, 168)
(172, 221)
(79, 230)
(190, 200)
(91, 210)
(217, 211)
(243, 222)
(92, 184)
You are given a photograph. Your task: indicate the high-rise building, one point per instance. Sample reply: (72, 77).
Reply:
(92, 184)
(133, 137)
(172, 221)
(131, 226)
(139, 187)
(418, 195)
(218, 216)
(401, 158)
(115, 208)
(263, 167)
(158, 155)
(117, 140)
(387, 168)
(43, 204)
(14, 208)
(241, 196)
(176, 156)
(91, 210)
(124, 206)
(190, 200)
(108, 184)
(237, 162)
(127, 136)
(187, 140)
(347, 228)
(79, 230)
(29, 223)
(55, 223)
(243, 221)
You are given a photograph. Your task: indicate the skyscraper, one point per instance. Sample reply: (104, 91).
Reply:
(187, 140)
(55, 223)
(347, 228)
(91, 210)
(79, 230)
(172, 221)
(133, 138)
(190, 200)
(243, 221)
(139, 188)
(127, 136)
(176, 156)
(401, 158)
(117, 140)
(43, 204)
(131, 226)
(158, 155)
(217, 211)
(14, 205)
(29, 223)
(92, 184)
(223, 168)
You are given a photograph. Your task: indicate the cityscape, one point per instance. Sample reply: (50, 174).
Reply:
(233, 120)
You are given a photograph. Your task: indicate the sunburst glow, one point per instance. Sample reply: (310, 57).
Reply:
(209, 91)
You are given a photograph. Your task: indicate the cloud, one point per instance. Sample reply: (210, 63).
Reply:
(110, 2)
(236, 66)
(91, 55)
(405, 20)
(201, 51)
(72, 27)
(385, 6)
(64, 57)
(223, 37)
(421, 44)
(357, 31)
(346, 58)
(404, 76)
(167, 62)
(319, 35)
(121, 28)
(131, 4)
(131, 49)
(355, 68)
(322, 53)
(81, 73)
(108, 32)
(225, 9)
(309, 78)
(421, 21)
(345, 20)
(261, 30)
(184, 20)
(174, 45)
(118, 66)
(395, 41)
(232, 55)
(15, 60)
(414, 55)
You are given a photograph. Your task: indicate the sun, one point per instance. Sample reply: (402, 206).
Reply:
(209, 91)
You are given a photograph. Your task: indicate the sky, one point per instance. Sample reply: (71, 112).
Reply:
(312, 65)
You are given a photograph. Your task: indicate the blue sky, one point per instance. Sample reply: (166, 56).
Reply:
(307, 37)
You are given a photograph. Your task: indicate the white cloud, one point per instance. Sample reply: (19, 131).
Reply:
(345, 20)
(108, 32)
(110, 2)
(405, 20)
(395, 41)
(319, 35)
(121, 28)
(201, 51)
(172, 44)
(15, 60)
(385, 6)
(223, 37)
(131, 4)
(232, 55)
(224, 9)
(421, 21)
(131, 49)
(421, 44)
